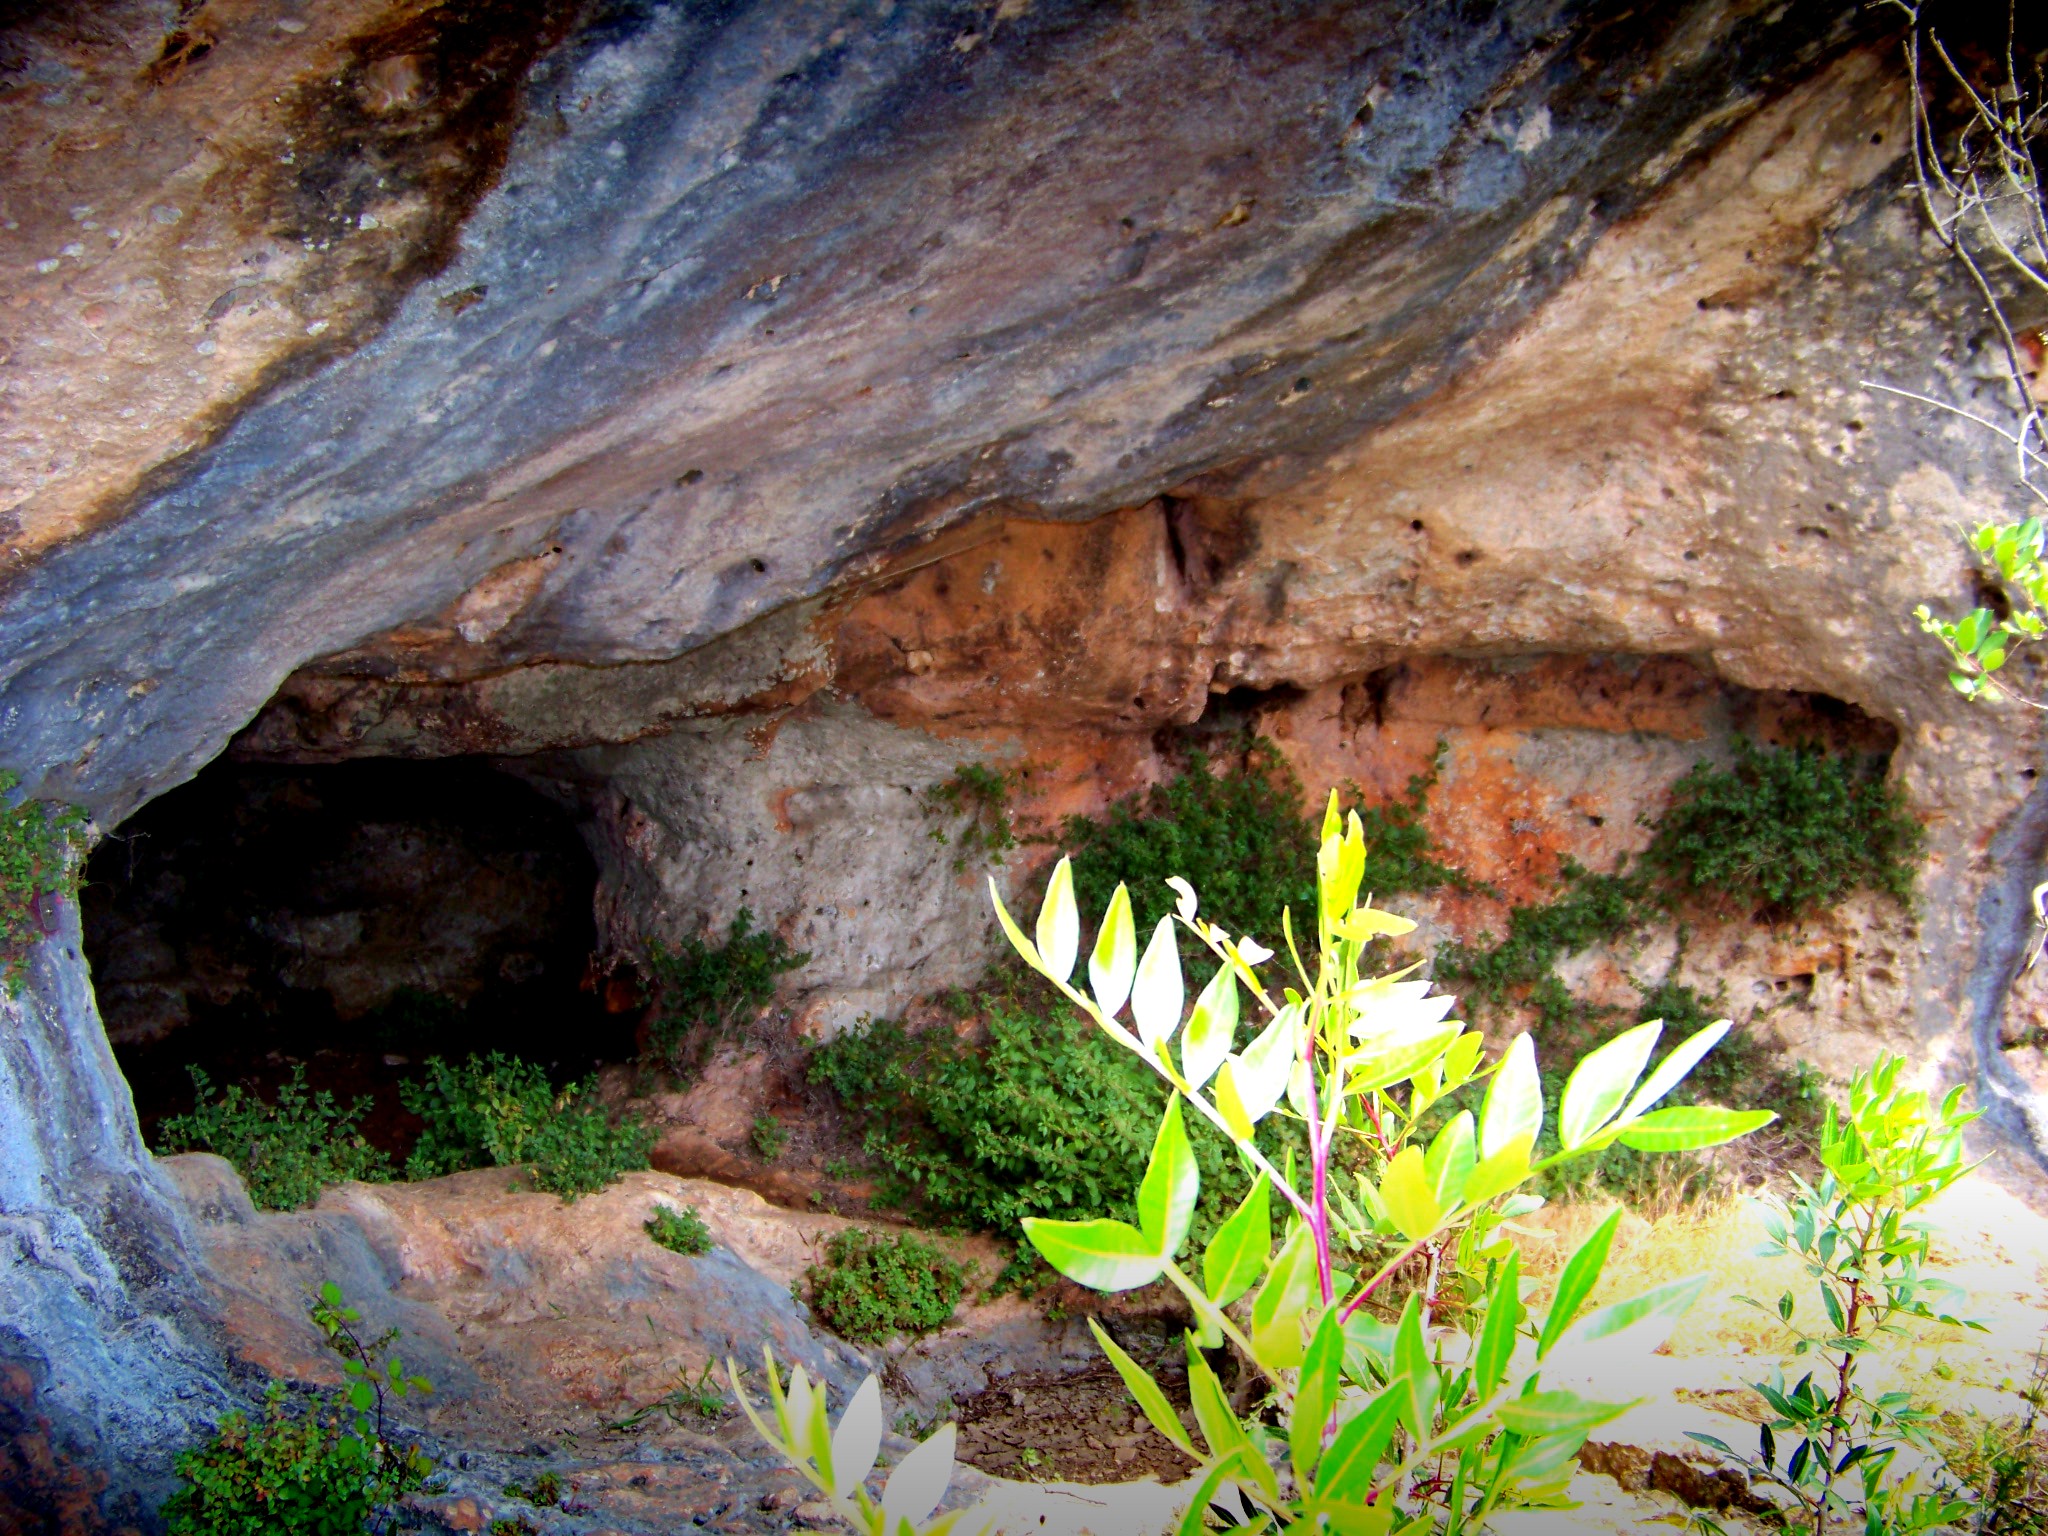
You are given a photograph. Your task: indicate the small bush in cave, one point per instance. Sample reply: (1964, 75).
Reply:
(1043, 1118)
(1241, 839)
(679, 1231)
(288, 1149)
(37, 842)
(1786, 830)
(975, 802)
(872, 1288)
(703, 990)
(501, 1111)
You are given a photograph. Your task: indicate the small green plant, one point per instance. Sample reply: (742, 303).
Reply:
(1386, 1423)
(703, 991)
(1043, 1118)
(679, 1231)
(1586, 909)
(501, 1111)
(1982, 641)
(308, 1474)
(836, 1459)
(1827, 1443)
(872, 1288)
(769, 1136)
(2004, 1463)
(1786, 830)
(690, 1401)
(975, 803)
(544, 1491)
(286, 1150)
(513, 1525)
(1242, 838)
(39, 844)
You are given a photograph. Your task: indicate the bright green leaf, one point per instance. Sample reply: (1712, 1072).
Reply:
(1104, 1255)
(1350, 1464)
(1157, 993)
(1600, 1083)
(1114, 961)
(1496, 1344)
(1542, 1414)
(1278, 1307)
(1686, 1127)
(1139, 1383)
(1450, 1159)
(1236, 1255)
(1581, 1273)
(1166, 1197)
(1514, 1100)
(1315, 1394)
(1406, 1193)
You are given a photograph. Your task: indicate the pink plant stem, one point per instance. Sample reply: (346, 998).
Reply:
(1319, 1192)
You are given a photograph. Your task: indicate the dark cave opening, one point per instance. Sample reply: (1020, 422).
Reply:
(356, 918)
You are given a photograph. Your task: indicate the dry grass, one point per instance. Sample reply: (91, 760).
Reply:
(1987, 1241)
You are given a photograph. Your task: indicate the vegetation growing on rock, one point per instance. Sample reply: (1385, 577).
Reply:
(307, 1471)
(287, 1149)
(872, 1288)
(1786, 831)
(500, 1111)
(38, 843)
(975, 804)
(679, 1230)
(702, 991)
(1041, 1118)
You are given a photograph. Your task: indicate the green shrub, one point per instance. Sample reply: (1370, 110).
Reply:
(871, 1288)
(499, 1110)
(283, 1472)
(306, 1473)
(769, 1137)
(1587, 909)
(976, 801)
(1237, 836)
(679, 1231)
(1046, 1118)
(702, 990)
(286, 1151)
(37, 842)
(1242, 840)
(1787, 830)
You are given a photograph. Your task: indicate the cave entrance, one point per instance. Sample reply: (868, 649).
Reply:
(356, 918)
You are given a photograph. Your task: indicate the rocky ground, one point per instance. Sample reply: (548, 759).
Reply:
(561, 1338)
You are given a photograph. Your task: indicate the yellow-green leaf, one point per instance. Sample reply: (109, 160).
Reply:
(1157, 993)
(1514, 1100)
(1059, 923)
(1166, 1197)
(1236, 1255)
(1113, 962)
(1104, 1255)
(1211, 1028)
(1405, 1192)
(1139, 1383)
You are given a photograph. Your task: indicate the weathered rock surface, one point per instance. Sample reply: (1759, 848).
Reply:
(542, 377)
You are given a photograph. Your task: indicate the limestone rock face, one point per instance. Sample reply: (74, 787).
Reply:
(758, 413)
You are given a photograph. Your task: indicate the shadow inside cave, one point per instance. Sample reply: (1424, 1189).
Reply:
(356, 918)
